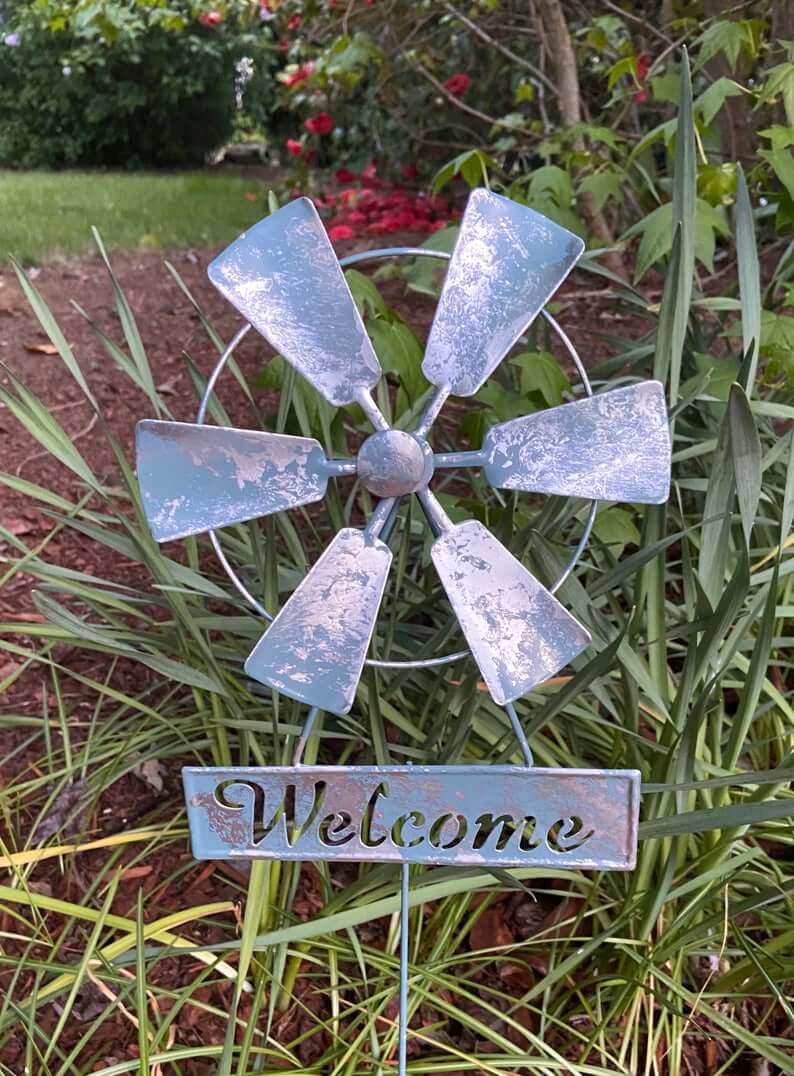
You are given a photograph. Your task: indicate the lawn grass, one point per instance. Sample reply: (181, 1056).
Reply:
(45, 215)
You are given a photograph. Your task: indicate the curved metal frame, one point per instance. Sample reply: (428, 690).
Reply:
(354, 259)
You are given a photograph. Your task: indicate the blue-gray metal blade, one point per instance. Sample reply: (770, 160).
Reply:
(314, 650)
(283, 277)
(195, 478)
(517, 631)
(507, 262)
(610, 447)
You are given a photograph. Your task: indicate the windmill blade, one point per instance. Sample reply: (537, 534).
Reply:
(314, 650)
(610, 447)
(518, 632)
(196, 478)
(507, 262)
(283, 277)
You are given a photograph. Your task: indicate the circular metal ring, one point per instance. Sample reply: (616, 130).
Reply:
(354, 259)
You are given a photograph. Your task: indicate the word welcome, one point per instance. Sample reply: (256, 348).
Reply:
(459, 814)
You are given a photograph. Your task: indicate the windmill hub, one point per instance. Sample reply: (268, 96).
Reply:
(393, 462)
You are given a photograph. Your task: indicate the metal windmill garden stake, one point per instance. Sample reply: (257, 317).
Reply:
(284, 278)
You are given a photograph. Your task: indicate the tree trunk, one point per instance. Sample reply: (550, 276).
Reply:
(557, 39)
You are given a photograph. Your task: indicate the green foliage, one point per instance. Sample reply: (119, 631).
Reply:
(124, 84)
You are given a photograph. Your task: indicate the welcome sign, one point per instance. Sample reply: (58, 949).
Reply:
(457, 815)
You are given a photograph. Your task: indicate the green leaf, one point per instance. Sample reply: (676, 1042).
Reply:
(603, 186)
(711, 100)
(365, 293)
(541, 373)
(749, 280)
(780, 83)
(779, 156)
(656, 232)
(399, 352)
(615, 527)
(473, 166)
(723, 36)
(684, 216)
(423, 274)
(626, 66)
(734, 814)
(746, 455)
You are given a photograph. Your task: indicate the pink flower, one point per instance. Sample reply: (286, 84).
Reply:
(294, 22)
(340, 231)
(457, 84)
(321, 124)
(294, 147)
(368, 173)
(210, 18)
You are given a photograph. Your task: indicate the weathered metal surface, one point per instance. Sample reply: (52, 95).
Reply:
(484, 816)
(507, 263)
(315, 648)
(392, 463)
(610, 447)
(518, 632)
(195, 478)
(283, 277)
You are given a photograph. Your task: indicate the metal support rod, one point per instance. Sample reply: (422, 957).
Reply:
(300, 746)
(340, 468)
(474, 458)
(403, 1025)
(371, 410)
(381, 516)
(438, 519)
(521, 736)
(430, 414)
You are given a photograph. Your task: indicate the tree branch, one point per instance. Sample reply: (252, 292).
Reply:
(538, 75)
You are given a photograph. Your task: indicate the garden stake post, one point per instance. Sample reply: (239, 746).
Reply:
(284, 278)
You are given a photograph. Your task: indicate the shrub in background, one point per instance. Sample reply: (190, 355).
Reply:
(121, 84)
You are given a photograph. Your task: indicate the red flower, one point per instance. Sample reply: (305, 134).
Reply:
(300, 75)
(309, 154)
(340, 231)
(321, 124)
(344, 175)
(210, 18)
(294, 147)
(294, 22)
(457, 84)
(644, 61)
(409, 171)
(641, 96)
(370, 171)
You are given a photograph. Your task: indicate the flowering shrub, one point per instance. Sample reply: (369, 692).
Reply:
(124, 83)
